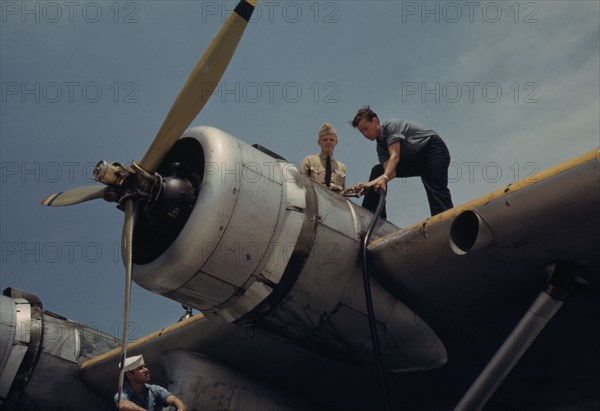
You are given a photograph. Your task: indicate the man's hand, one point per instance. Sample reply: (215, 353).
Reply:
(380, 183)
(335, 188)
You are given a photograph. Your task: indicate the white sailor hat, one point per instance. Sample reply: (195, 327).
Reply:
(131, 363)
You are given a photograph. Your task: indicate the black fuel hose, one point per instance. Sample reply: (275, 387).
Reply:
(369, 298)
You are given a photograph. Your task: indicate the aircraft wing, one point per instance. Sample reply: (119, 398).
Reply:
(205, 358)
(472, 272)
(49, 362)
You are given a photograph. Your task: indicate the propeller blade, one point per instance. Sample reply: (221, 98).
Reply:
(200, 84)
(74, 196)
(130, 213)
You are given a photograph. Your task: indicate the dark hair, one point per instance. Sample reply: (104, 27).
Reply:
(363, 113)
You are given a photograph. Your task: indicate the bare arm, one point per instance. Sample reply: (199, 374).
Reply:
(125, 405)
(389, 168)
(173, 400)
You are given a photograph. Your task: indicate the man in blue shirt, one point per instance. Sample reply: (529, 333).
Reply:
(138, 395)
(405, 149)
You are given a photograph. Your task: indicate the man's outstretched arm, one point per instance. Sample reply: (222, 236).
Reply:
(176, 402)
(125, 405)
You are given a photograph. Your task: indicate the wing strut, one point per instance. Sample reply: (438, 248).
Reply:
(565, 281)
(130, 214)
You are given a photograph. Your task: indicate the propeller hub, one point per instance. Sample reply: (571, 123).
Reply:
(174, 200)
(127, 182)
(110, 174)
(177, 197)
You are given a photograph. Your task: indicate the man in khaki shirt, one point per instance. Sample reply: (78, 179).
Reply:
(323, 168)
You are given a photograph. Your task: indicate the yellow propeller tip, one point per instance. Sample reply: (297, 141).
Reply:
(48, 200)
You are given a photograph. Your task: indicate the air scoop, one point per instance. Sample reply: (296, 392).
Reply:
(470, 232)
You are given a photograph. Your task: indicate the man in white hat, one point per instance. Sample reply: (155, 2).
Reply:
(138, 395)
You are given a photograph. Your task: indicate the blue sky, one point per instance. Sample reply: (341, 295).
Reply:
(512, 87)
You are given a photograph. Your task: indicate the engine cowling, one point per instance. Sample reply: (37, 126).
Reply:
(267, 247)
(40, 353)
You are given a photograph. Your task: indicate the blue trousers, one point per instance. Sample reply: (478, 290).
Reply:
(431, 164)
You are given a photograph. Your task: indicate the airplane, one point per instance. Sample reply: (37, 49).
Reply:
(274, 263)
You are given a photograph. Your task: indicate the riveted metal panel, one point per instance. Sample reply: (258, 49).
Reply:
(16, 327)
(245, 241)
(282, 247)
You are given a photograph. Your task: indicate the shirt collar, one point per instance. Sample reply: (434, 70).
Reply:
(130, 391)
